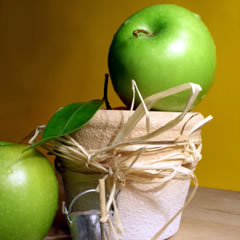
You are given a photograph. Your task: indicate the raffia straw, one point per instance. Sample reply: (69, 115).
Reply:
(149, 102)
(103, 218)
(119, 162)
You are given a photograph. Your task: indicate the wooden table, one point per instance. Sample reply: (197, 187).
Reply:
(211, 215)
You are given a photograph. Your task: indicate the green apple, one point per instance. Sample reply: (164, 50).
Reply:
(160, 47)
(28, 193)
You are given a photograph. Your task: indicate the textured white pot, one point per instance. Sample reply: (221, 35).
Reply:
(144, 209)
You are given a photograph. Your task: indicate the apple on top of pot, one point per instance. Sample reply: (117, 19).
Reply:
(160, 47)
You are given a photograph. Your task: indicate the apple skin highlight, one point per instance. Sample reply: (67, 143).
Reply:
(160, 47)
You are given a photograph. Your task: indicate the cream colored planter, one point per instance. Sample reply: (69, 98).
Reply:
(144, 209)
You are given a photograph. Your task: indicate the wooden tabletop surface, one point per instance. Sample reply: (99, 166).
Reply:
(211, 215)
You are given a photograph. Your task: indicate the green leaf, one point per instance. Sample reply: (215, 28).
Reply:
(69, 119)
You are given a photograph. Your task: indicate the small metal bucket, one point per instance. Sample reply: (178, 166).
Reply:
(84, 225)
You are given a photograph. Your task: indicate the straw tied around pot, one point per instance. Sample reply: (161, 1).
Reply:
(144, 165)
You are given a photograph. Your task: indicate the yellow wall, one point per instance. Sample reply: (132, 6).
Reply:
(55, 52)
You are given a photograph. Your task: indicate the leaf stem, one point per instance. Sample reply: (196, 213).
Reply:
(105, 97)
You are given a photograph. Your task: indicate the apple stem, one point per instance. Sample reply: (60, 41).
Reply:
(136, 32)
